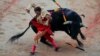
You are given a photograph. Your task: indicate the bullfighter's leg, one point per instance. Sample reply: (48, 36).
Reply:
(43, 39)
(50, 39)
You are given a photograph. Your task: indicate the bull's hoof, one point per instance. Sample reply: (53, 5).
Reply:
(80, 48)
(57, 49)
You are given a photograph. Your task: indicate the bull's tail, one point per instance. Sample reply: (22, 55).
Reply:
(17, 36)
(81, 24)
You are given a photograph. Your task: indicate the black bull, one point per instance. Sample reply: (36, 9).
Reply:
(72, 28)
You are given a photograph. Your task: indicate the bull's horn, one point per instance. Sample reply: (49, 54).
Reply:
(67, 22)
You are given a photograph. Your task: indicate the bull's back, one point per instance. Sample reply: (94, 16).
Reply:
(72, 15)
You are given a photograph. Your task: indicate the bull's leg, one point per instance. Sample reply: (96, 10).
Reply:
(79, 43)
(74, 36)
(82, 36)
(80, 48)
(74, 30)
(43, 40)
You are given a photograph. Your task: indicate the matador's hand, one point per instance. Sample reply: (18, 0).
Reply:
(28, 11)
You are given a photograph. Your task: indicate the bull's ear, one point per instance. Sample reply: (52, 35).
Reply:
(82, 25)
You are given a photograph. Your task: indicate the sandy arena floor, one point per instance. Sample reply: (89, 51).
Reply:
(14, 19)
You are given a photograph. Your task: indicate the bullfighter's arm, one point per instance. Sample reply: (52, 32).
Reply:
(30, 6)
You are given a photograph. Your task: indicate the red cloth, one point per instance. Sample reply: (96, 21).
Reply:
(41, 27)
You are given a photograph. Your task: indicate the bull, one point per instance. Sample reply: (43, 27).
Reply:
(72, 26)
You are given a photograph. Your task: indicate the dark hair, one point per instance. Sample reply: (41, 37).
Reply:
(37, 9)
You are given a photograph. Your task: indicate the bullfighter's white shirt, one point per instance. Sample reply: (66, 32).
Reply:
(44, 13)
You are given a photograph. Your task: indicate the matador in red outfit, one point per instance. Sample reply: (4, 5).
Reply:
(41, 22)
